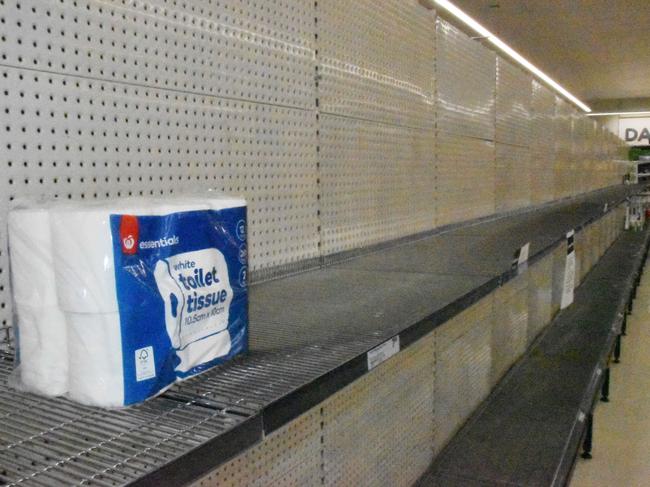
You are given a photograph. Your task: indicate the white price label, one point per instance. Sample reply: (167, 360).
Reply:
(523, 254)
(383, 352)
(568, 285)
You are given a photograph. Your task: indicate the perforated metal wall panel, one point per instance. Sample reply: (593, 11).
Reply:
(540, 296)
(595, 244)
(513, 177)
(290, 456)
(139, 97)
(542, 144)
(542, 175)
(385, 420)
(377, 101)
(513, 104)
(542, 116)
(466, 78)
(83, 139)
(463, 365)
(465, 166)
(377, 180)
(376, 61)
(509, 332)
(563, 176)
(233, 49)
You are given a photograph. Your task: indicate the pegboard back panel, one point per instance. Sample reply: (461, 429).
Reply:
(540, 296)
(463, 364)
(542, 115)
(377, 181)
(513, 177)
(465, 80)
(542, 177)
(513, 104)
(379, 430)
(563, 150)
(289, 457)
(84, 139)
(542, 143)
(376, 61)
(465, 166)
(510, 330)
(219, 48)
(72, 137)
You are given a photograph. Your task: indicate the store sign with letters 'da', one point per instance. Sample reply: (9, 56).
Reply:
(635, 131)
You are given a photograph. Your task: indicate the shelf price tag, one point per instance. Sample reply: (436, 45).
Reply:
(569, 271)
(520, 259)
(383, 352)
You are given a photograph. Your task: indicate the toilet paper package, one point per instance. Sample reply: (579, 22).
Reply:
(41, 331)
(151, 292)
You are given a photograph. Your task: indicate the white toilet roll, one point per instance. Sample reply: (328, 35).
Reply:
(42, 342)
(83, 257)
(95, 349)
(30, 250)
(41, 325)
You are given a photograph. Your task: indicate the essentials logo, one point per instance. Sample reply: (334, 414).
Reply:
(129, 234)
(160, 243)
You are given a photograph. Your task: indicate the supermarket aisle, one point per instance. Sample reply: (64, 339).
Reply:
(622, 426)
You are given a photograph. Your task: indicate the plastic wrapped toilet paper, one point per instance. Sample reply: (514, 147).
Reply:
(152, 290)
(32, 276)
(42, 348)
(95, 350)
(83, 253)
(42, 341)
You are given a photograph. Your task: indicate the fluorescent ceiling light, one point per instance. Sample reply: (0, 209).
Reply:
(610, 114)
(499, 44)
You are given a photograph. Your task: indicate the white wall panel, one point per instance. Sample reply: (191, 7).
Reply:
(376, 61)
(540, 295)
(386, 419)
(466, 77)
(463, 365)
(377, 181)
(110, 98)
(466, 178)
(542, 144)
(513, 177)
(221, 48)
(563, 175)
(288, 457)
(513, 104)
(510, 330)
(84, 139)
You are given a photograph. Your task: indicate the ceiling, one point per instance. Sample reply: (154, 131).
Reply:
(597, 49)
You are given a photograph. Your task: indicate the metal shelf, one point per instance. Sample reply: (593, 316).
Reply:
(529, 429)
(310, 334)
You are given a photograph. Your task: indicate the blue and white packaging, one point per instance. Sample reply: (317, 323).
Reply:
(152, 291)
